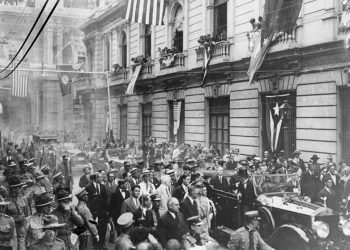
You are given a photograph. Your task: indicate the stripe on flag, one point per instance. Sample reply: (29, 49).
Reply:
(146, 11)
(19, 84)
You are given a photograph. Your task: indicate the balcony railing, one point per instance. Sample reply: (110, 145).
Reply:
(119, 74)
(172, 60)
(285, 41)
(221, 49)
(146, 69)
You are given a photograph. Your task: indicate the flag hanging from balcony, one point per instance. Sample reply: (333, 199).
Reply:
(274, 120)
(208, 53)
(19, 83)
(65, 78)
(146, 11)
(280, 17)
(135, 75)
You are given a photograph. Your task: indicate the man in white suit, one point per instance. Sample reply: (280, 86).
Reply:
(164, 192)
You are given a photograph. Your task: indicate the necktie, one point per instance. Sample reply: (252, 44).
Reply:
(251, 238)
(198, 240)
(220, 178)
(98, 188)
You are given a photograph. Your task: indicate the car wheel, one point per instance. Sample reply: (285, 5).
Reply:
(267, 223)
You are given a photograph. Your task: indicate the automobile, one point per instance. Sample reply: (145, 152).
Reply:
(289, 220)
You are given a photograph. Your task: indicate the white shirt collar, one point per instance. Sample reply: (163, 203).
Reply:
(185, 187)
(172, 214)
(191, 200)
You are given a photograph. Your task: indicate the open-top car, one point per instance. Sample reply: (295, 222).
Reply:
(289, 220)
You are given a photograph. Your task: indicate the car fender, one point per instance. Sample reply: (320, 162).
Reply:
(302, 232)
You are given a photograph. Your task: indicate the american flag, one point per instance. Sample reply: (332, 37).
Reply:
(146, 11)
(19, 83)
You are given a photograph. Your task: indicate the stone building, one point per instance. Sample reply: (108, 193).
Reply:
(44, 110)
(307, 68)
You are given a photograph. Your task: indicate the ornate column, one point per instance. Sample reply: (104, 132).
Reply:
(48, 46)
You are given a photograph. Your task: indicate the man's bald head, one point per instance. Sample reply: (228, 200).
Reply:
(173, 205)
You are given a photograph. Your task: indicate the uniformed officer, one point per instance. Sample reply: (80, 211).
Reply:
(8, 236)
(49, 241)
(33, 224)
(47, 183)
(18, 209)
(86, 238)
(39, 186)
(195, 239)
(58, 182)
(248, 237)
(125, 222)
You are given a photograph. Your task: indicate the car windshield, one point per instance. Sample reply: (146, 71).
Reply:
(270, 183)
(112, 152)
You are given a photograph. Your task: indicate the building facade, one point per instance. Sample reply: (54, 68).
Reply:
(44, 110)
(307, 68)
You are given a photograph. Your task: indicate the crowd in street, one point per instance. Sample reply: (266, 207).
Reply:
(158, 200)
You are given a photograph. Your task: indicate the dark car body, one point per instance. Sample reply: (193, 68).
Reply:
(288, 220)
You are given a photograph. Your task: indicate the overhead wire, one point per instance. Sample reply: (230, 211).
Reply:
(33, 42)
(28, 35)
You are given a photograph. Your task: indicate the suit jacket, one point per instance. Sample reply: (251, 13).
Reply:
(97, 202)
(337, 186)
(170, 228)
(116, 202)
(309, 185)
(110, 188)
(332, 201)
(188, 209)
(248, 194)
(289, 186)
(179, 193)
(148, 222)
(128, 206)
(84, 181)
(215, 182)
(165, 196)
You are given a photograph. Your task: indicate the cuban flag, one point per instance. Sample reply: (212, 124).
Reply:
(274, 120)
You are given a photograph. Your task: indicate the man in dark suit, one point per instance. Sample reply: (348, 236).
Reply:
(337, 183)
(98, 205)
(172, 224)
(220, 182)
(85, 179)
(189, 206)
(309, 183)
(293, 185)
(297, 160)
(328, 196)
(182, 190)
(117, 198)
(132, 203)
(246, 188)
(143, 215)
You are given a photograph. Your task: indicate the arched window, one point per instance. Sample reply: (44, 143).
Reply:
(148, 41)
(124, 50)
(178, 28)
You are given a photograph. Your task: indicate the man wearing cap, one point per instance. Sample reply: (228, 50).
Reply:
(18, 209)
(33, 224)
(155, 213)
(66, 214)
(30, 171)
(8, 236)
(298, 161)
(39, 186)
(125, 223)
(195, 239)
(146, 186)
(49, 239)
(47, 183)
(246, 188)
(172, 224)
(316, 165)
(132, 203)
(182, 190)
(58, 182)
(86, 238)
(143, 215)
(117, 199)
(171, 173)
(8, 158)
(84, 180)
(248, 237)
(135, 176)
(309, 183)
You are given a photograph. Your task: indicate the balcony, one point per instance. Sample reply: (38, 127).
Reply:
(172, 60)
(146, 71)
(221, 49)
(285, 41)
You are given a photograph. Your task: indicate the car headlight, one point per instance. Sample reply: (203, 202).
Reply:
(344, 225)
(321, 229)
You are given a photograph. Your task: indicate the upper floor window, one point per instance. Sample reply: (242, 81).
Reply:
(124, 50)
(107, 54)
(220, 16)
(178, 29)
(148, 41)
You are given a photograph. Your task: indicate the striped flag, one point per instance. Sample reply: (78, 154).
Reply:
(146, 11)
(19, 83)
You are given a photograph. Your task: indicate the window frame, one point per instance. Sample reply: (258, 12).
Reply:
(146, 121)
(220, 8)
(123, 115)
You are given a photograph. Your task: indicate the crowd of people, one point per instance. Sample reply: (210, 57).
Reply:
(158, 199)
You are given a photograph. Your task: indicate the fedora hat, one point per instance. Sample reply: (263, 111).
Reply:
(314, 157)
(14, 181)
(43, 200)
